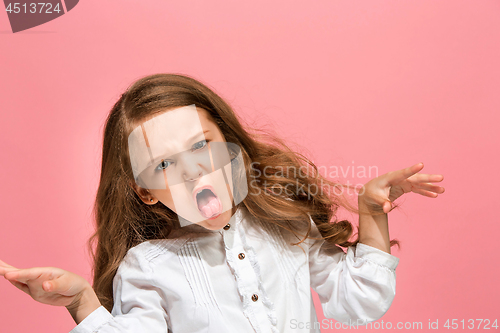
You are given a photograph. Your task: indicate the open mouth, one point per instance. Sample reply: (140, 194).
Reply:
(208, 203)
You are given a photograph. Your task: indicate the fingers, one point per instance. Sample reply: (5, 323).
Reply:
(3, 264)
(429, 187)
(4, 270)
(47, 278)
(25, 275)
(396, 177)
(426, 178)
(425, 193)
(412, 175)
(21, 286)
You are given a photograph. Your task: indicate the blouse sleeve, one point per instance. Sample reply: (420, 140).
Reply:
(138, 305)
(356, 287)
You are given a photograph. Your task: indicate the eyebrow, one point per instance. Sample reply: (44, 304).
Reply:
(157, 159)
(191, 139)
(196, 135)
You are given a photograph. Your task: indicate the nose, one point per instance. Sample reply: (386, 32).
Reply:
(191, 170)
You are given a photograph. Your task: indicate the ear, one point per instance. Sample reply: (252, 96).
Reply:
(143, 194)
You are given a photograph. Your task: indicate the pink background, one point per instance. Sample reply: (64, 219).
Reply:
(363, 83)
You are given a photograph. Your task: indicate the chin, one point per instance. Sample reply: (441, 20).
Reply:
(217, 223)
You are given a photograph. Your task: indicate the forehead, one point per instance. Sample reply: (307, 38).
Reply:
(176, 118)
(172, 124)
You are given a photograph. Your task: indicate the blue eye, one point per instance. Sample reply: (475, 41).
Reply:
(163, 165)
(199, 145)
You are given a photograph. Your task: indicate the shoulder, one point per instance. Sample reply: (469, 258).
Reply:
(316, 240)
(148, 253)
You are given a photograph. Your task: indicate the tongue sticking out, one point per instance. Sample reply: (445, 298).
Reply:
(208, 204)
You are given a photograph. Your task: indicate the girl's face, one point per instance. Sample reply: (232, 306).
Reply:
(180, 158)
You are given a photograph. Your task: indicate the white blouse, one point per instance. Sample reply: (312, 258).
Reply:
(242, 280)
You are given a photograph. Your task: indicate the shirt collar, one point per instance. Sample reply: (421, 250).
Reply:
(194, 228)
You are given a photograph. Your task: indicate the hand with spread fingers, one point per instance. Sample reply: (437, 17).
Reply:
(379, 193)
(375, 201)
(54, 286)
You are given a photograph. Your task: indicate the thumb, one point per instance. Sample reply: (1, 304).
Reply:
(61, 285)
(48, 286)
(387, 206)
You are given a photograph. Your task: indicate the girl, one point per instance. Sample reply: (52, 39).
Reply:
(182, 247)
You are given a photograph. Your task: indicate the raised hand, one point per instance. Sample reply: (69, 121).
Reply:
(54, 286)
(379, 193)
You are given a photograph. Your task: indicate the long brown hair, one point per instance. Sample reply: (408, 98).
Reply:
(123, 220)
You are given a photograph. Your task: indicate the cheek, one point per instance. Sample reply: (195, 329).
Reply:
(178, 199)
(165, 196)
